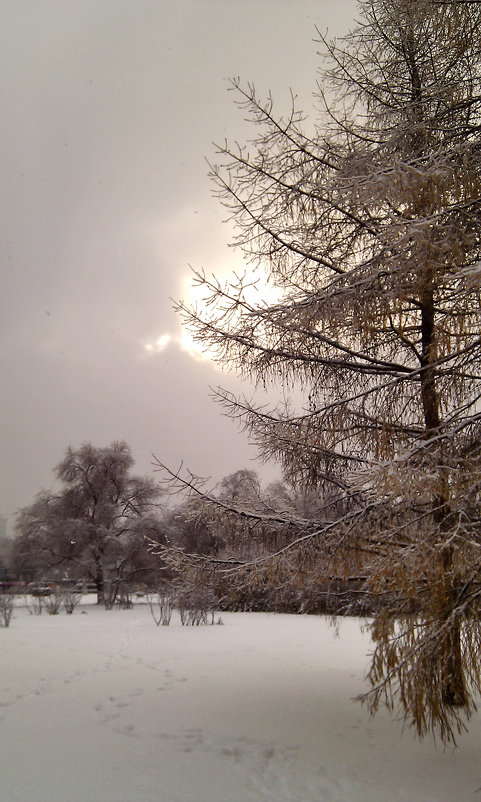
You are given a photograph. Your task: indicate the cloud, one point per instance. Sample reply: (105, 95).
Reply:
(112, 108)
(152, 347)
(158, 345)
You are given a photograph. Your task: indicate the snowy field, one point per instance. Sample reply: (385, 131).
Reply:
(103, 706)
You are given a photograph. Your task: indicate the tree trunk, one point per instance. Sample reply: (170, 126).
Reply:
(429, 395)
(99, 580)
(453, 683)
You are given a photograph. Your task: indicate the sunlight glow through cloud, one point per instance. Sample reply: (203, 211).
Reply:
(186, 343)
(194, 349)
(158, 345)
(258, 292)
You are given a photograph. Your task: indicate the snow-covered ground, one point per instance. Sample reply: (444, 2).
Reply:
(103, 706)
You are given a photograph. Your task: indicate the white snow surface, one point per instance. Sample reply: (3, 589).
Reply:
(103, 706)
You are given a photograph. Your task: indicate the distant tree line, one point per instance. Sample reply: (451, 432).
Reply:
(105, 526)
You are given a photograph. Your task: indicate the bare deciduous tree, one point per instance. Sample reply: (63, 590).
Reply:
(368, 227)
(96, 524)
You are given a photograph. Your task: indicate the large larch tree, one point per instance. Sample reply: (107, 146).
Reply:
(367, 224)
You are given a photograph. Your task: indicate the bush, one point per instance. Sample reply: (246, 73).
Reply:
(34, 604)
(117, 593)
(70, 599)
(53, 602)
(6, 609)
(161, 605)
(196, 606)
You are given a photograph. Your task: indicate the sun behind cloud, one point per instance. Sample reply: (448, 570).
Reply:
(158, 345)
(185, 342)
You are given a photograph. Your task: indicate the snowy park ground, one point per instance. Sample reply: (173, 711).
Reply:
(103, 706)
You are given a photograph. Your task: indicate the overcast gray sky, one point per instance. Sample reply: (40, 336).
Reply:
(109, 108)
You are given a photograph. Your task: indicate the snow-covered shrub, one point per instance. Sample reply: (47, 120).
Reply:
(6, 609)
(70, 600)
(161, 605)
(34, 604)
(196, 607)
(53, 601)
(124, 597)
(117, 593)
